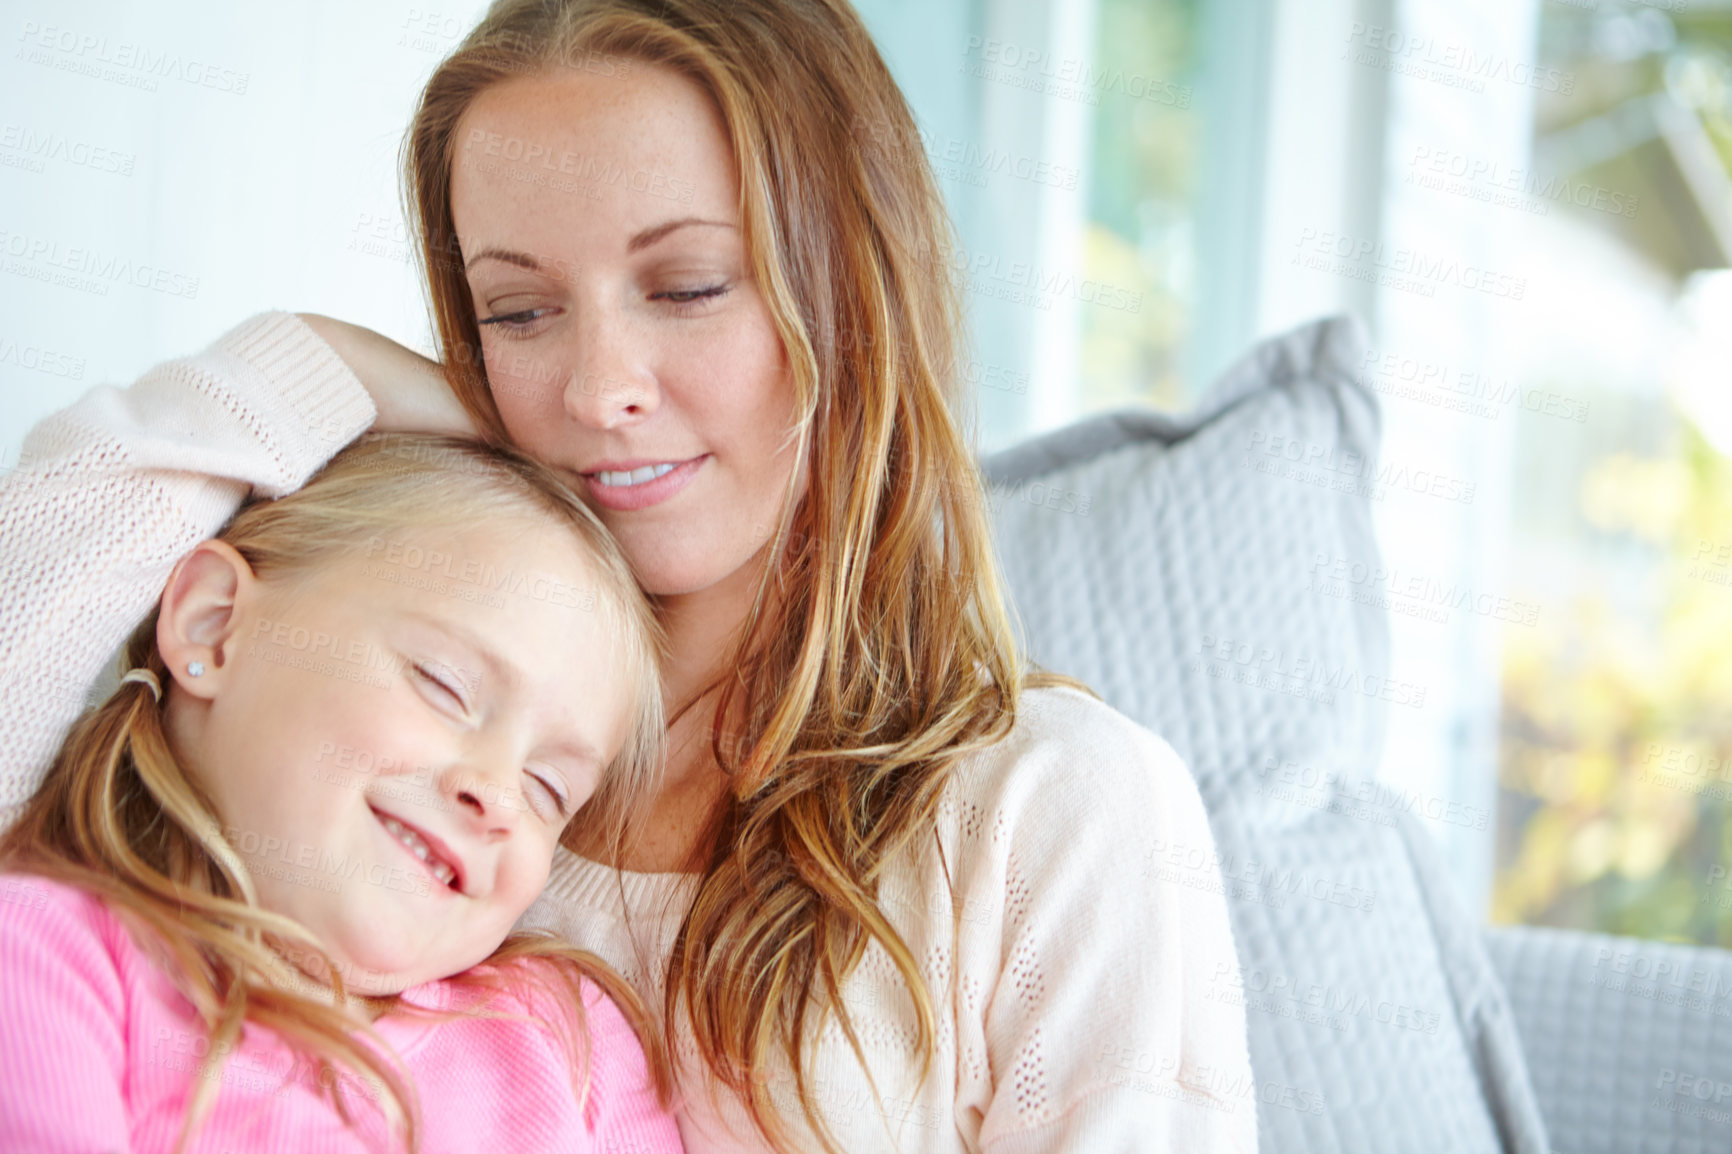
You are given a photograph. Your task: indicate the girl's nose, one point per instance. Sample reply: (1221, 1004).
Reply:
(487, 797)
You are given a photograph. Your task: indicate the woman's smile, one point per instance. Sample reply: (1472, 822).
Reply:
(626, 487)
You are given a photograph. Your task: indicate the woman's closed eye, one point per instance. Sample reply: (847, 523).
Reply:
(524, 321)
(692, 299)
(517, 322)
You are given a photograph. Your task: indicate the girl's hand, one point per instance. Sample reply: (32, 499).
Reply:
(408, 389)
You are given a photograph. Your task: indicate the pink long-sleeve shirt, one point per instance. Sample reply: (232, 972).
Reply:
(99, 1052)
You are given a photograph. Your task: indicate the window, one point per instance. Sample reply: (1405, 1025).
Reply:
(1141, 231)
(1615, 747)
(1577, 152)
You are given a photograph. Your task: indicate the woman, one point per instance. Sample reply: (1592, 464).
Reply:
(895, 892)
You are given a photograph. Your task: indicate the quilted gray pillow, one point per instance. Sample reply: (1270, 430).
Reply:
(1631, 1040)
(1170, 563)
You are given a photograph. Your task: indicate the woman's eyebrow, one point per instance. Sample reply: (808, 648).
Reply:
(654, 233)
(638, 242)
(509, 256)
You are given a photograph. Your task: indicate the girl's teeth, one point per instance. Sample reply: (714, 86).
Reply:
(635, 476)
(412, 841)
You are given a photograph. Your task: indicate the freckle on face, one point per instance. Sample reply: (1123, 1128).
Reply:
(619, 367)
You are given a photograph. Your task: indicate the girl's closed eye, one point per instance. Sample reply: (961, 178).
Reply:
(443, 685)
(550, 787)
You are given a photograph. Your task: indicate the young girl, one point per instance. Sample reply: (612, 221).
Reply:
(262, 900)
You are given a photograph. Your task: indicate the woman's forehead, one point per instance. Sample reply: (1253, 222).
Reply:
(648, 139)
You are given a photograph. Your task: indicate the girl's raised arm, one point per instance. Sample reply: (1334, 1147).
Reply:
(110, 492)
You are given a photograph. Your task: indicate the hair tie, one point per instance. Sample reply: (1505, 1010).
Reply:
(144, 677)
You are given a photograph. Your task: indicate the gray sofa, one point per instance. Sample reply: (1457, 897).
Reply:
(1169, 563)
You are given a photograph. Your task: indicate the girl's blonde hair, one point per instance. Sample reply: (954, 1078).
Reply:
(879, 650)
(119, 817)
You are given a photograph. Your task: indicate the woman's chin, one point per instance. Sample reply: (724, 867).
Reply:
(675, 576)
(676, 569)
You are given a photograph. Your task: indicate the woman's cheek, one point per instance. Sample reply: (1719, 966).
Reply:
(511, 375)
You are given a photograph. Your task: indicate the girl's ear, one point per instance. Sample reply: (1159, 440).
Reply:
(197, 628)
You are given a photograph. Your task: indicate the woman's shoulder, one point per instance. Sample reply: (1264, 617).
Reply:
(1073, 777)
(1067, 710)
(1068, 740)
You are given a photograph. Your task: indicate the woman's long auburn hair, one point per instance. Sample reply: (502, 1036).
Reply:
(879, 651)
(119, 817)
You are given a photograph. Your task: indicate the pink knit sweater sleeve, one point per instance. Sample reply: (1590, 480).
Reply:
(112, 491)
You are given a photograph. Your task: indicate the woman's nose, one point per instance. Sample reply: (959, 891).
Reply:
(610, 384)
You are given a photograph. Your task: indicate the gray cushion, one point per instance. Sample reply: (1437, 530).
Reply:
(1629, 1042)
(1167, 563)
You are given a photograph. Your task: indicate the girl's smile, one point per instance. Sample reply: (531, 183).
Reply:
(483, 718)
(434, 856)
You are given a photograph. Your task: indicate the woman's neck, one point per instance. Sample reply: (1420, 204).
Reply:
(702, 630)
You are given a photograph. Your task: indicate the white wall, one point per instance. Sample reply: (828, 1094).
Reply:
(986, 79)
(186, 166)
